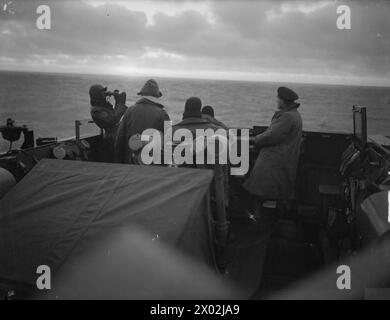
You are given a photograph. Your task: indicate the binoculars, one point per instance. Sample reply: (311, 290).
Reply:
(111, 93)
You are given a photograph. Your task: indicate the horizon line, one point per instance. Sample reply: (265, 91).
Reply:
(189, 78)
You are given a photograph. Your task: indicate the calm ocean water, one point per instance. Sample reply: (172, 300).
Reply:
(49, 103)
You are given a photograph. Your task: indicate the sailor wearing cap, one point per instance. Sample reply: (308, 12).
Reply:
(147, 113)
(273, 175)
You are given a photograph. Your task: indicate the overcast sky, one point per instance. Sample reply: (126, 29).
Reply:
(243, 40)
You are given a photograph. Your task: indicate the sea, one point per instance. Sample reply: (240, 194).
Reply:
(49, 103)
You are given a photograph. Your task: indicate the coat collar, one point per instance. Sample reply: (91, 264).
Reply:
(149, 101)
(293, 107)
(192, 121)
(207, 117)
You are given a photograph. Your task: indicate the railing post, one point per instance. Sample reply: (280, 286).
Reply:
(77, 129)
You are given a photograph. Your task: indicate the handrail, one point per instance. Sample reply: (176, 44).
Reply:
(78, 124)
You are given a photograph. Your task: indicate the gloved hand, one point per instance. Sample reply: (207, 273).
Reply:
(120, 98)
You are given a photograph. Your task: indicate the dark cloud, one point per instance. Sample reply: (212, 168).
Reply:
(243, 36)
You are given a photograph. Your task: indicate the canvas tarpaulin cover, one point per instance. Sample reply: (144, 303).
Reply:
(62, 207)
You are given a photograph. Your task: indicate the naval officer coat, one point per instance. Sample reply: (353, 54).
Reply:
(273, 175)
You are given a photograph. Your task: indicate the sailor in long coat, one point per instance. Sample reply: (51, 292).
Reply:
(273, 175)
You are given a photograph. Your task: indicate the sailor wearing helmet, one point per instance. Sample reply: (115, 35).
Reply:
(106, 116)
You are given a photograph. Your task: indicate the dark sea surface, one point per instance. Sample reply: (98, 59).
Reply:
(50, 103)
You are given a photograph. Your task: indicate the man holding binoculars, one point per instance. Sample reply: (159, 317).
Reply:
(106, 116)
